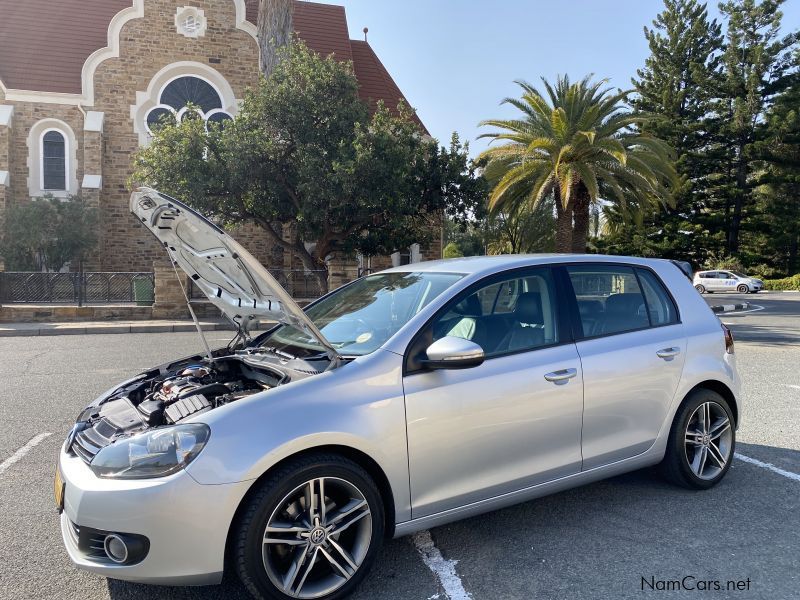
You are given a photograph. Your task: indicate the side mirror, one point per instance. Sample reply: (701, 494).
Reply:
(453, 353)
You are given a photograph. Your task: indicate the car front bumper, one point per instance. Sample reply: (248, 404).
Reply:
(185, 522)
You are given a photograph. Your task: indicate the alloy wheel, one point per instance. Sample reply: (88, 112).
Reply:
(317, 537)
(700, 288)
(708, 440)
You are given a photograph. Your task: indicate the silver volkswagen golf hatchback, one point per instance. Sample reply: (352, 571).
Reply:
(404, 400)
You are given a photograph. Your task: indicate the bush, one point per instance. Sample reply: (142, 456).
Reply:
(452, 251)
(47, 233)
(787, 283)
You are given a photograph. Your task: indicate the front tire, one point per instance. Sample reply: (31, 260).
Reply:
(312, 529)
(743, 289)
(701, 442)
(700, 288)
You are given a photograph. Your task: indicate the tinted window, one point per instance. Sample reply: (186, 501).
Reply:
(659, 304)
(54, 161)
(609, 299)
(509, 315)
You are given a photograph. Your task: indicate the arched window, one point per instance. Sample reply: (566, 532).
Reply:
(184, 98)
(53, 155)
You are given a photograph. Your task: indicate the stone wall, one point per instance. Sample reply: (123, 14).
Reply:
(147, 46)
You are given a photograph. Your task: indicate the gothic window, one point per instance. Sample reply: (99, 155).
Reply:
(54, 161)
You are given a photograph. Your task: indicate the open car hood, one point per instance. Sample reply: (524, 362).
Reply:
(230, 277)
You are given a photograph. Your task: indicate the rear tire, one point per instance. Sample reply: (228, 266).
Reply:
(701, 442)
(700, 288)
(329, 545)
(743, 289)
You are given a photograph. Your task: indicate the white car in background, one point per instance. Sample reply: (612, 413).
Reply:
(726, 281)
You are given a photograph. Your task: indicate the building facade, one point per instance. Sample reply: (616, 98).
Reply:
(81, 81)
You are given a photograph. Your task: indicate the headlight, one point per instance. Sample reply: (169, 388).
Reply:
(155, 453)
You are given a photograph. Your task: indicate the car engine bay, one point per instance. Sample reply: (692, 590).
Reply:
(172, 393)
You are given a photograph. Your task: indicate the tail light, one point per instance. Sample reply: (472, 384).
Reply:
(728, 339)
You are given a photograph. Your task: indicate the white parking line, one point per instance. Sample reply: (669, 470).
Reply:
(22, 451)
(445, 570)
(770, 466)
(791, 385)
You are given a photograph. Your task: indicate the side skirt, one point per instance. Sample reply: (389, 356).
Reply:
(646, 459)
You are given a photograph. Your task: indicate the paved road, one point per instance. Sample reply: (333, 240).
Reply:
(597, 541)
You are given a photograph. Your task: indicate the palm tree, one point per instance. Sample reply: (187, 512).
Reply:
(577, 143)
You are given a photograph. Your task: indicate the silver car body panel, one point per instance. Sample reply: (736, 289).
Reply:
(450, 444)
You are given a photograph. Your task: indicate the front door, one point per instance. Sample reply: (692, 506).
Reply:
(632, 354)
(512, 422)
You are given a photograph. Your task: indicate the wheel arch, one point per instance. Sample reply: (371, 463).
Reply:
(357, 456)
(723, 390)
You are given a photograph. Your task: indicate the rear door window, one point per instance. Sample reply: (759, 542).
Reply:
(609, 298)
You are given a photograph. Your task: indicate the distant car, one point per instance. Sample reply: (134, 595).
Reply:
(726, 281)
(404, 400)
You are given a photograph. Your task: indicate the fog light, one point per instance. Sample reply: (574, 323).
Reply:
(116, 548)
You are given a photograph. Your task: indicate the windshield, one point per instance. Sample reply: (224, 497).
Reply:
(740, 275)
(360, 317)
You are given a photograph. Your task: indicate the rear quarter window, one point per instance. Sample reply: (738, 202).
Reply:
(660, 307)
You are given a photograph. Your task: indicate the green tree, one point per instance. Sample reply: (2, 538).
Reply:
(47, 233)
(523, 230)
(774, 239)
(675, 91)
(306, 161)
(452, 250)
(577, 143)
(757, 65)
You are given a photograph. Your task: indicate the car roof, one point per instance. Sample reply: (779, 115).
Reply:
(474, 265)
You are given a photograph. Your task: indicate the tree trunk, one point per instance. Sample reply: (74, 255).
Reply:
(580, 212)
(563, 226)
(739, 199)
(274, 31)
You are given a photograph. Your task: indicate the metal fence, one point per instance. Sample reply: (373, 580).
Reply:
(298, 282)
(76, 288)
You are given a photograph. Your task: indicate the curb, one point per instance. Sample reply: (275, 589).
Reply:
(723, 308)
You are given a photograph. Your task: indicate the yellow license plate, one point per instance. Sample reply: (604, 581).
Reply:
(58, 489)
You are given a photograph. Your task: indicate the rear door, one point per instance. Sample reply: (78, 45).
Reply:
(632, 353)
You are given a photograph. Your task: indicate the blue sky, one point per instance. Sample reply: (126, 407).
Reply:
(456, 60)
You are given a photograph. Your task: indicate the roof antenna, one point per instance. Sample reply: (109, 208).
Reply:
(366, 29)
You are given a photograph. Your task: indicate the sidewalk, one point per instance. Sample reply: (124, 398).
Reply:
(89, 327)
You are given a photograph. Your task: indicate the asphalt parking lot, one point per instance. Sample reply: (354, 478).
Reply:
(597, 541)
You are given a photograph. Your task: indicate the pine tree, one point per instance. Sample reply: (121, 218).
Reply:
(757, 65)
(775, 239)
(676, 91)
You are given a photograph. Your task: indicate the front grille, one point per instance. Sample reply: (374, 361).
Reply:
(83, 446)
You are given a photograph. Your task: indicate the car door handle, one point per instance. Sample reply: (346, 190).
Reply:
(668, 353)
(562, 376)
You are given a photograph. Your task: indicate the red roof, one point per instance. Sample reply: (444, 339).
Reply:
(44, 44)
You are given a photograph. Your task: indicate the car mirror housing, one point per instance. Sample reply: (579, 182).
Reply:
(452, 352)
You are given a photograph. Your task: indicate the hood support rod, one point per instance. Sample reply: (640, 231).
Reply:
(191, 310)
